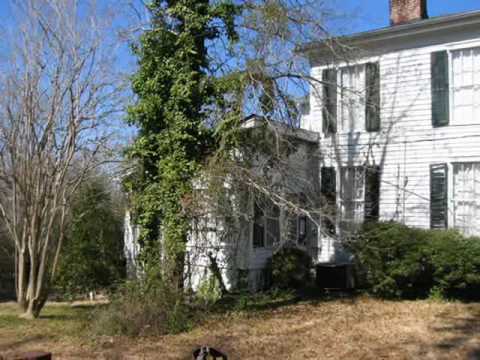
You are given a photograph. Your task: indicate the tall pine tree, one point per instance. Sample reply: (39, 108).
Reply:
(176, 89)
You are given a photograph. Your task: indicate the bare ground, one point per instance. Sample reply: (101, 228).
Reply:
(358, 328)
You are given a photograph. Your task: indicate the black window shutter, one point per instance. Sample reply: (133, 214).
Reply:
(372, 98)
(258, 227)
(328, 189)
(438, 196)
(440, 86)
(329, 108)
(372, 193)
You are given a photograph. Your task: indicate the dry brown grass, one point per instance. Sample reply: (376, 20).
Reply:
(359, 328)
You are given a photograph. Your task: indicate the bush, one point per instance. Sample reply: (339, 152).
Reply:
(141, 308)
(395, 261)
(289, 268)
(456, 264)
(209, 291)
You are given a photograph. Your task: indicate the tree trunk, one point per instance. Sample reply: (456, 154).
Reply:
(21, 280)
(217, 273)
(30, 287)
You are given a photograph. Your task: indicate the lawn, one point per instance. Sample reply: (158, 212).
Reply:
(348, 328)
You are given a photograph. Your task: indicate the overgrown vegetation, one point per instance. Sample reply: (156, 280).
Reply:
(289, 268)
(177, 93)
(395, 261)
(144, 308)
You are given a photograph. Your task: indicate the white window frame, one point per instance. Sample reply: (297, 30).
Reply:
(451, 190)
(283, 219)
(450, 50)
(341, 206)
(265, 219)
(359, 123)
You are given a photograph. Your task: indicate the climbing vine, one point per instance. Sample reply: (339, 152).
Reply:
(177, 92)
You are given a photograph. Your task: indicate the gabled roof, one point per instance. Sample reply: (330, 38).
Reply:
(395, 32)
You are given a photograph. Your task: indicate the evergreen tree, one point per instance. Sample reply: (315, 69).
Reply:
(92, 256)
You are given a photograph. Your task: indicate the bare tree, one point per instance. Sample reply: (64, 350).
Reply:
(273, 173)
(58, 95)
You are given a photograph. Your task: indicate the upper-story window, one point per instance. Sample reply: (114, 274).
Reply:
(466, 86)
(351, 99)
(455, 87)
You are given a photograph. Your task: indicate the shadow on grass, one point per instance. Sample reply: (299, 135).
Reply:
(462, 333)
(275, 299)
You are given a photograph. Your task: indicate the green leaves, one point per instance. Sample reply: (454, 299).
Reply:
(402, 262)
(175, 88)
(92, 256)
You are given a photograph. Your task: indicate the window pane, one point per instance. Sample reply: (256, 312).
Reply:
(352, 196)
(352, 100)
(273, 231)
(466, 85)
(466, 196)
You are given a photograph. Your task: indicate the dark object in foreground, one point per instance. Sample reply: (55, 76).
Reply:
(33, 355)
(206, 352)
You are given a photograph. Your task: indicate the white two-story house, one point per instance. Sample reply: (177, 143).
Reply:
(393, 131)
(399, 122)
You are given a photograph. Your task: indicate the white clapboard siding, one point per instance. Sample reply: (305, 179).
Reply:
(239, 254)
(407, 144)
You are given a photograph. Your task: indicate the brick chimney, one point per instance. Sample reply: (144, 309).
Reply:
(406, 11)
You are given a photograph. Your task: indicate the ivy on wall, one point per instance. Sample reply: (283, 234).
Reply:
(177, 92)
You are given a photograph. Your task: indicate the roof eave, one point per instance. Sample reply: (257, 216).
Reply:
(370, 38)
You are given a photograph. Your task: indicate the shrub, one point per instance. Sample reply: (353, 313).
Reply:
(456, 263)
(289, 268)
(140, 308)
(209, 291)
(396, 261)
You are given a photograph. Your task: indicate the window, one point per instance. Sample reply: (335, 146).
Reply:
(352, 196)
(302, 223)
(466, 86)
(352, 98)
(266, 224)
(358, 104)
(272, 224)
(297, 225)
(466, 198)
